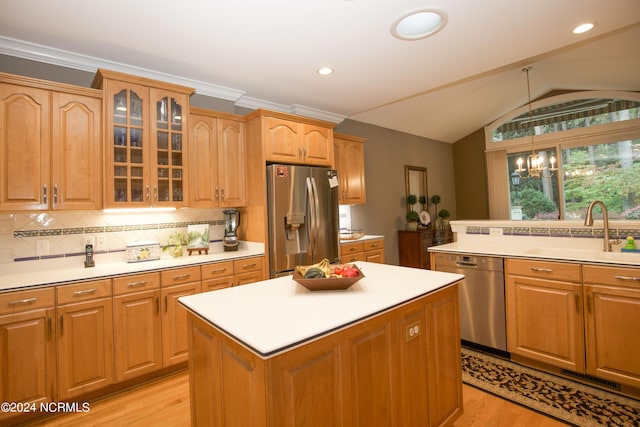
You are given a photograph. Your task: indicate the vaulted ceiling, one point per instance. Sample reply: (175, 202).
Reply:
(265, 54)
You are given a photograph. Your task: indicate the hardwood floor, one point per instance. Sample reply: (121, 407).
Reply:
(165, 402)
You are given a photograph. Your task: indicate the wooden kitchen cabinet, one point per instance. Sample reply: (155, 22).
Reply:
(544, 312)
(137, 325)
(349, 162)
(218, 275)
(369, 250)
(146, 132)
(84, 337)
(176, 283)
(413, 246)
(27, 347)
(612, 316)
(401, 367)
(294, 139)
(217, 162)
(248, 270)
(50, 146)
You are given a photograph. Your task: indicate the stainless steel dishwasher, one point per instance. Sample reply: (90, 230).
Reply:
(482, 307)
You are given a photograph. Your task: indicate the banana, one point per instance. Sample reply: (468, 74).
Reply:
(323, 265)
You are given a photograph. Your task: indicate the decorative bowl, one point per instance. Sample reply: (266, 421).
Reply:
(328, 284)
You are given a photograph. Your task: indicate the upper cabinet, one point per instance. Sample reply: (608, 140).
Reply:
(217, 164)
(146, 128)
(50, 145)
(349, 161)
(289, 140)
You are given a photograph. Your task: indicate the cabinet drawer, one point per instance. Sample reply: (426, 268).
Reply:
(179, 276)
(351, 248)
(136, 283)
(83, 291)
(215, 284)
(247, 264)
(618, 276)
(544, 269)
(372, 245)
(218, 269)
(15, 302)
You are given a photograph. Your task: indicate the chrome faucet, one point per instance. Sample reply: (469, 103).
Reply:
(605, 216)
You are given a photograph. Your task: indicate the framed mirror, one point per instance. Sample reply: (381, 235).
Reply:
(415, 179)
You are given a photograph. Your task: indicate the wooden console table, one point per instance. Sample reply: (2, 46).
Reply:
(413, 245)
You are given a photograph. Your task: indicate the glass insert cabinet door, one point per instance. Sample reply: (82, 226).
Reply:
(129, 147)
(168, 135)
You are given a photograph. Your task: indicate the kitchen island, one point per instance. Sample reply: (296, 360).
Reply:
(384, 352)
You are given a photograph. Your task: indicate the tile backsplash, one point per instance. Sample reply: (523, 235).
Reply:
(40, 235)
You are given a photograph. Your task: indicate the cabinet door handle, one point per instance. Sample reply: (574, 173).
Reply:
(55, 195)
(635, 279)
(44, 194)
(136, 284)
(222, 193)
(374, 245)
(166, 304)
(155, 193)
(23, 301)
(246, 266)
(181, 276)
(85, 292)
(217, 193)
(218, 270)
(542, 270)
(577, 299)
(49, 326)
(147, 193)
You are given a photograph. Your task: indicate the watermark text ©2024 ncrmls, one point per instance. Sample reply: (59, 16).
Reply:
(44, 407)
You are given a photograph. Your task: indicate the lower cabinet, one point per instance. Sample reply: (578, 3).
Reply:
(612, 301)
(175, 284)
(400, 368)
(60, 343)
(27, 348)
(248, 270)
(544, 312)
(84, 337)
(582, 318)
(137, 325)
(370, 250)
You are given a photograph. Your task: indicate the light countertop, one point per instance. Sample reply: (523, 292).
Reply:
(271, 316)
(555, 248)
(25, 274)
(365, 237)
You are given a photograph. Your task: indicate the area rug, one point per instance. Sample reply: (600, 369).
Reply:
(568, 401)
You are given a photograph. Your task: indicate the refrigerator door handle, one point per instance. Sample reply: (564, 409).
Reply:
(312, 218)
(316, 214)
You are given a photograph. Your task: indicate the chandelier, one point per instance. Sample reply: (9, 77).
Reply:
(536, 164)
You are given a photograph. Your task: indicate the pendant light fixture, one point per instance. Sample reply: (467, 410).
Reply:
(536, 165)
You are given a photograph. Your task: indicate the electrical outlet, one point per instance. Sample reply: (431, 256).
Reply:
(495, 231)
(89, 240)
(101, 244)
(42, 247)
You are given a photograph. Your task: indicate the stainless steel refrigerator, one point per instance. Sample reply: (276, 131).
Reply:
(303, 217)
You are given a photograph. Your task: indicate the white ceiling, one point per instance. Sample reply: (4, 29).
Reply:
(265, 53)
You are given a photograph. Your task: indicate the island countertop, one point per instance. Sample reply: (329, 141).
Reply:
(274, 315)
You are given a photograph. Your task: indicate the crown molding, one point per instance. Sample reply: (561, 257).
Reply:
(64, 58)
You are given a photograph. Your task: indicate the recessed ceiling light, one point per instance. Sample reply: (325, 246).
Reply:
(419, 24)
(583, 28)
(325, 71)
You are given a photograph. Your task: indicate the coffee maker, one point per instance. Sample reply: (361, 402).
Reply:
(231, 224)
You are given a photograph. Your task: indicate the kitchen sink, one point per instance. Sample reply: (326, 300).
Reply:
(583, 254)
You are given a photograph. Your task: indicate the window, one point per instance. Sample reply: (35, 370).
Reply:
(596, 141)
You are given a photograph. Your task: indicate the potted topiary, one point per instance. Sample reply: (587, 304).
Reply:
(412, 216)
(435, 199)
(444, 218)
